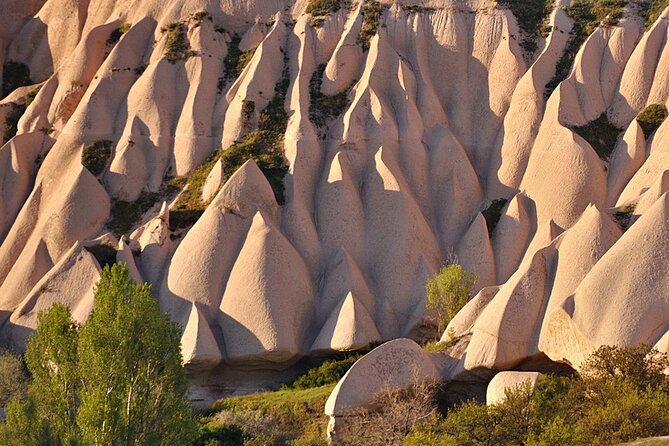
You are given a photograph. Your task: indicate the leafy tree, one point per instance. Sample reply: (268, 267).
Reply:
(130, 366)
(117, 380)
(13, 381)
(449, 291)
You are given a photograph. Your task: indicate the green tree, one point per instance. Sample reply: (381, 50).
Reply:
(117, 380)
(449, 291)
(130, 366)
(13, 381)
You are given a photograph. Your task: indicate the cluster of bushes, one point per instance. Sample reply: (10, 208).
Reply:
(600, 134)
(115, 380)
(14, 75)
(587, 15)
(415, 9)
(95, 156)
(532, 17)
(330, 372)
(177, 46)
(493, 213)
(116, 34)
(371, 17)
(17, 111)
(235, 61)
(319, 9)
(651, 117)
(651, 10)
(124, 214)
(323, 107)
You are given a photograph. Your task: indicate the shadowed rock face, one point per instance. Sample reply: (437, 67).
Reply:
(393, 149)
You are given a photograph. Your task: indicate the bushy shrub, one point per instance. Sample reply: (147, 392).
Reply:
(449, 291)
(13, 379)
(493, 213)
(116, 34)
(323, 7)
(651, 117)
(235, 61)
(651, 10)
(600, 134)
(330, 372)
(531, 16)
(177, 46)
(371, 17)
(324, 107)
(14, 75)
(95, 156)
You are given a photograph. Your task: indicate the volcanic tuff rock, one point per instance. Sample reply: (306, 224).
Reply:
(393, 147)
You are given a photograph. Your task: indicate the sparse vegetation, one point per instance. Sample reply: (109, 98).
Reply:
(448, 292)
(623, 216)
(177, 46)
(199, 17)
(323, 7)
(415, 9)
(235, 61)
(116, 34)
(600, 134)
(651, 117)
(95, 156)
(532, 17)
(18, 109)
(371, 17)
(493, 213)
(330, 372)
(439, 346)
(14, 75)
(587, 15)
(651, 10)
(13, 378)
(324, 107)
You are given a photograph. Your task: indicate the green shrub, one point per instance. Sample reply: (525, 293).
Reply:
(449, 291)
(651, 10)
(371, 16)
(116, 34)
(651, 117)
(323, 7)
(14, 75)
(13, 379)
(439, 346)
(330, 372)
(12, 121)
(531, 17)
(587, 15)
(600, 134)
(177, 46)
(323, 107)
(415, 9)
(493, 213)
(124, 214)
(95, 156)
(199, 17)
(235, 61)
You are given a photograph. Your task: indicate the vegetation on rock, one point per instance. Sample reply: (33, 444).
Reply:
(651, 117)
(17, 111)
(651, 10)
(104, 253)
(95, 156)
(324, 107)
(587, 15)
(319, 9)
(330, 372)
(14, 75)
(493, 213)
(600, 134)
(125, 214)
(236, 60)
(624, 216)
(371, 17)
(116, 34)
(449, 291)
(177, 46)
(532, 17)
(117, 380)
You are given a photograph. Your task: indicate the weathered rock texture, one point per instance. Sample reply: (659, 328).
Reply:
(442, 115)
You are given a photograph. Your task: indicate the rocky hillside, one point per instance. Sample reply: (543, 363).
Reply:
(287, 175)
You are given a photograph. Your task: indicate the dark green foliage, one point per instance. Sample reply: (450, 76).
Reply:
(371, 16)
(105, 254)
(200, 16)
(12, 121)
(600, 134)
(14, 75)
(493, 213)
(415, 9)
(651, 10)
(531, 17)
(264, 146)
(116, 34)
(323, 7)
(95, 156)
(235, 61)
(324, 107)
(248, 110)
(330, 372)
(13, 379)
(177, 46)
(622, 394)
(651, 117)
(124, 214)
(587, 15)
